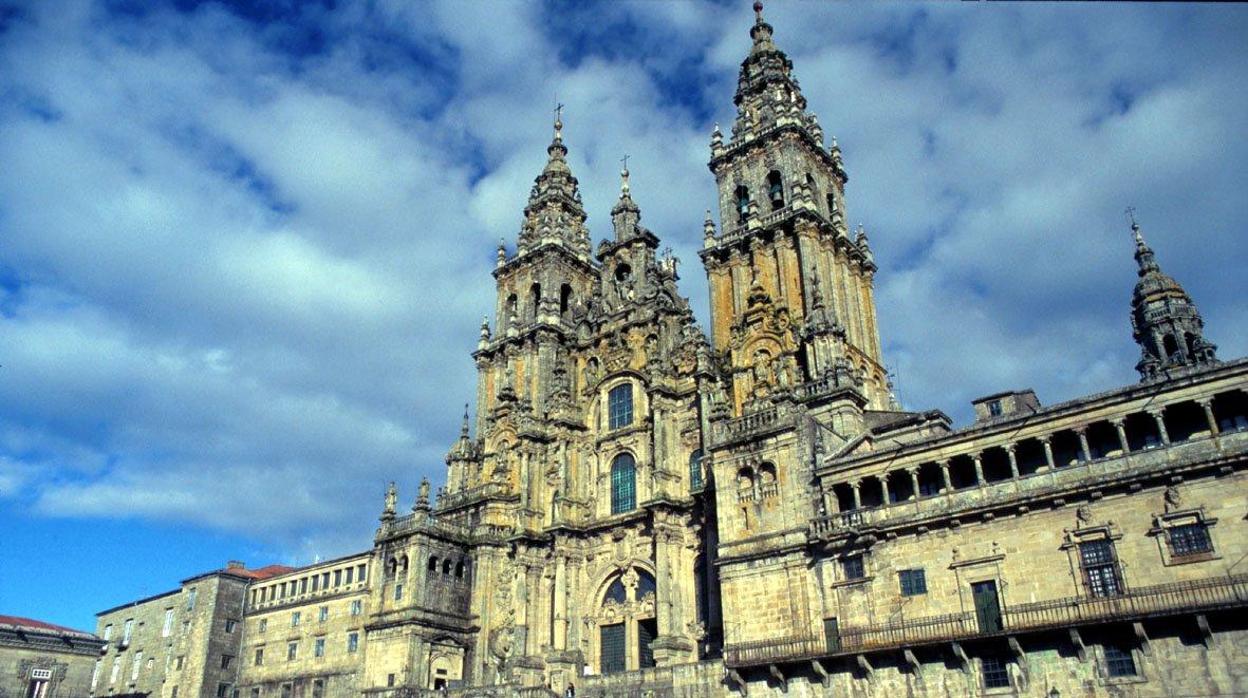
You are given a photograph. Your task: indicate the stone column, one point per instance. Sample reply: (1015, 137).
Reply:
(914, 481)
(1207, 405)
(1010, 451)
(1120, 425)
(1047, 442)
(1159, 417)
(979, 468)
(560, 639)
(857, 499)
(672, 645)
(944, 475)
(1083, 443)
(884, 488)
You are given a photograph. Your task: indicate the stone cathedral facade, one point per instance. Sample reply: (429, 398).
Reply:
(648, 509)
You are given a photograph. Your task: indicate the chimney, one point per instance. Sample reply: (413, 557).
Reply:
(235, 565)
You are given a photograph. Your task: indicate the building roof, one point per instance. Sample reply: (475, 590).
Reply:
(31, 625)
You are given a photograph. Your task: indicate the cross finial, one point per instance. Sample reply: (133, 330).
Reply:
(625, 160)
(558, 111)
(1131, 217)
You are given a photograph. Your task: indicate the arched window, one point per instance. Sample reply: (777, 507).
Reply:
(565, 301)
(535, 297)
(616, 592)
(775, 190)
(743, 202)
(433, 564)
(831, 203)
(512, 302)
(695, 469)
(620, 406)
(645, 584)
(446, 566)
(402, 566)
(459, 570)
(623, 484)
(1171, 346)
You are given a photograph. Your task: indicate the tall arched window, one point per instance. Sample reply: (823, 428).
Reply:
(695, 469)
(831, 203)
(775, 190)
(623, 484)
(743, 202)
(565, 301)
(620, 406)
(535, 298)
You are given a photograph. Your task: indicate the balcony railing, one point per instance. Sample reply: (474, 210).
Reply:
(452, 500)
(1158, 600)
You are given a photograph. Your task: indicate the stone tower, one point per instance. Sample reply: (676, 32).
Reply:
(583, 486)
(791, 289)
(1164, 320)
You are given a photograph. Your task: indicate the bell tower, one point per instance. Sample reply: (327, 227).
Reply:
(792, 289)
(1164, 320)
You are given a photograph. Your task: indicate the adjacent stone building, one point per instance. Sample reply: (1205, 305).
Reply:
(182, 643)
(645, 510)
(42, 660)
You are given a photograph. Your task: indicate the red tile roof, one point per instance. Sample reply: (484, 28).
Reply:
(19, 623)
(262, 572)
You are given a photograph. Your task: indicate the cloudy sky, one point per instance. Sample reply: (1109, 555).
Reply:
(244, 251)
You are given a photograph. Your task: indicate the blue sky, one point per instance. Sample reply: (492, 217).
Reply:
(245, 247)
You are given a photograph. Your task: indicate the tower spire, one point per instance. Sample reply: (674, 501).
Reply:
(555, 214)
(1164, 320)
(625, 215)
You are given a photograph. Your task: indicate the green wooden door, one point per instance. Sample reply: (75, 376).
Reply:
(987, 606)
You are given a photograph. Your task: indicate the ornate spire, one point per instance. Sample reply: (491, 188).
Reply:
(555, 214)
(625, 215)
(1164, 320)
(768, 95)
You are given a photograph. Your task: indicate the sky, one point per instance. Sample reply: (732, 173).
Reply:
(245, 247)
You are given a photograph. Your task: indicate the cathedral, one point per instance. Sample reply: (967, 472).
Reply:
(645, 508)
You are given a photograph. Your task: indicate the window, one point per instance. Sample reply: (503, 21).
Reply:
(174, 692)
(852, 567)
(108, 632)
(226, 661)
(95, 673)
(318, 688)
(337, 578)
(136, 665)
(1189, 539)
(350, 573)
(353, 642)
(323, 615)
(390, 680)
(357, 607)
(223, 690)
(255, 692)
(167, 629)
(264, 624)
(398, 592)
(294, 619)
(186, 627)
(286, 690)
(995, 672)
(695, 469)
(112, 675)
(994, 408)
(318, 648)
(775, 190)
(1100, 567)
(360, 572)
(913, 582)
(259, 656)
(620, 406)
(229, 625)
(742, 196)
(623, 483)
(127, 631)
(191, 595)
(177, 664)
(1119, 661)
(316, 582)
(292, 651)
(303, 585)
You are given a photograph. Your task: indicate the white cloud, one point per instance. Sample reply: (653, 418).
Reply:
(249, 260)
